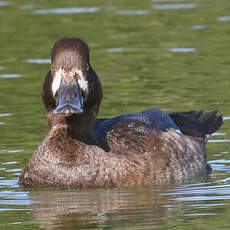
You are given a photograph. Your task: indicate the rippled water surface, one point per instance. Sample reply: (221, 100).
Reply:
(173, 55)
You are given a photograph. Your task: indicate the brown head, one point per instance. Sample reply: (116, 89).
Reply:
(72, 91)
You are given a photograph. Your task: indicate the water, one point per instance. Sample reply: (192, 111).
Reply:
(173, 55)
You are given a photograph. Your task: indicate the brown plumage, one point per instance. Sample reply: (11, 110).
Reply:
(132, 149)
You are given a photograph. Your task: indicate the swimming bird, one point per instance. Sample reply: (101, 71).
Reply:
(81, 151)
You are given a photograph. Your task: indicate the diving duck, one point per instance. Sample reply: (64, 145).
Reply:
(81, 151)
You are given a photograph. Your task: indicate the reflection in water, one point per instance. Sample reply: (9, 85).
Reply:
(98, 207)
(146, 206)
(174, 6)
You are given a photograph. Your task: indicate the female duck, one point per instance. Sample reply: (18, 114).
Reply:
(149, 147)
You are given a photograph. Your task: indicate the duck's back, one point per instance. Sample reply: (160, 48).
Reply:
(132, 133)
(151, 119)
(129, 130)
(192, 123)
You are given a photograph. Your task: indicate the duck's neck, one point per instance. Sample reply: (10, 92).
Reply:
(78, 127)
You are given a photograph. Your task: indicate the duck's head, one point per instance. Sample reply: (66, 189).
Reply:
(72, 91)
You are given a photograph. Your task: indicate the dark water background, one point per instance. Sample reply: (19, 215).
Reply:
(174, 55)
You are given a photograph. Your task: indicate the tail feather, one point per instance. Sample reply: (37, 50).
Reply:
(197, 123)
(211, 121)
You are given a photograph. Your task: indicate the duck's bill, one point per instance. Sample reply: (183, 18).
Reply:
(70, 98)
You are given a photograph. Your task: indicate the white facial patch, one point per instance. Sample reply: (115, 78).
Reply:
(60, 73)
(57, 81)
(83, 84)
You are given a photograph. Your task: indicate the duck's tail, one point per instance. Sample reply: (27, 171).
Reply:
(197, 123)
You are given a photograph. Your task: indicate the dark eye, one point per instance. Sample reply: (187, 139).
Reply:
(87, 67)
(52, 67)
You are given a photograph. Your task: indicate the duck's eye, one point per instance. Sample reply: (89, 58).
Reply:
(52, 67)
(87, 67)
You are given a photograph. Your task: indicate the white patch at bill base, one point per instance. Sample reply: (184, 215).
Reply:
(57, 81)
(83, 84)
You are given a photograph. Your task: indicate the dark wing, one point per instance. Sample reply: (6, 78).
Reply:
(154, 118)
(131, 127)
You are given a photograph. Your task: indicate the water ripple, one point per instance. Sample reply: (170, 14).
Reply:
(4, 3)
(132, 12)
(219, 141)
(27, 6)
(170, 0)
(5, 114)
(14, 195)
(219, 134)
(220, 167)
(9, 183)
(223, 19)
(10, 75)
(199, 27)
(13, 209)
(39, 61)
(9, 163)
(17, 202)
(201, 198)
(67, 10)
(14, 170)
(182, 50)
(200, 214)
(200, 190)
(15, 151)
(113, 50)
(223, 161)
(174, 6)
(221, 154)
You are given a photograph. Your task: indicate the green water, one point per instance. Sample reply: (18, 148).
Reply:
(133, 51)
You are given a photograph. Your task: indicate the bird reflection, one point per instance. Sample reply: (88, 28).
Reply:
(99, 209)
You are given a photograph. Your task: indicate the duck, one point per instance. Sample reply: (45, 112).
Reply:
(135, 149)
